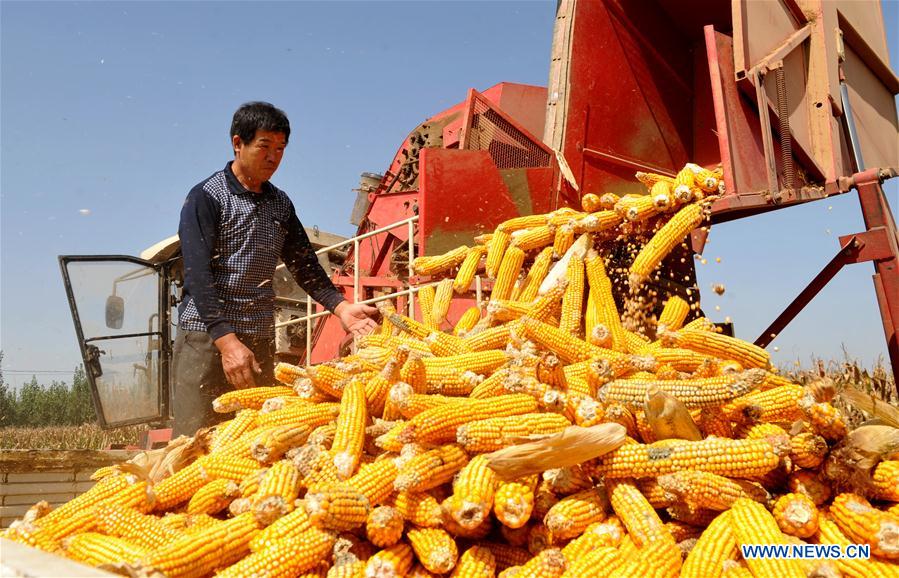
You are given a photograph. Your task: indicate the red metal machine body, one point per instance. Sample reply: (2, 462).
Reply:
(794, 98)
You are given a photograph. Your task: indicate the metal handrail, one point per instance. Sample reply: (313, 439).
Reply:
(355, 241)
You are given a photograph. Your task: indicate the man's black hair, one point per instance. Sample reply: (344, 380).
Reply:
(254, 116)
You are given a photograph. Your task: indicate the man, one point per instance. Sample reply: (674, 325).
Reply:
(235, 226)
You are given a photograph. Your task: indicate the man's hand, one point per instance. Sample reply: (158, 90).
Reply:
(355, 318)
(238, 361)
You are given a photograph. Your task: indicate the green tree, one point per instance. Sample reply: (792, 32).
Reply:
(81, 408)
(7, 400)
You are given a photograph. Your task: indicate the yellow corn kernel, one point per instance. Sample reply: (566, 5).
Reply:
(419, 508)
(753, 524)
(213, 497)
(495, 251)
(394, 561)
(705, 490)
(473, 492)
(384, 526)
(94, 549)
(426, 296)
(574, 513)
(864, 524)
(467, 321)
(434, 548)
(337, 507)
(250, 398)
(431, 469)
(674, 314)
(439, 263)
(661, 244)
(733, 458)
(537, 273)
(286, 558)
(468, 269)
(443, 296)
(350, 434)
(573, 298)
(494, 433)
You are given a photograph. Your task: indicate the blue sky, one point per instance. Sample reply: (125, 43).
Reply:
(119, 108)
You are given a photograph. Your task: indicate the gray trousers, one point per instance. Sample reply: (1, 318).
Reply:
(198, 378)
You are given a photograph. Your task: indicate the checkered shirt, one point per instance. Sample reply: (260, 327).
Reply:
(232, 240)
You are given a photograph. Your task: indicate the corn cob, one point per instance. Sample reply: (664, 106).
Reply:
(667, 238)
(694, 393)
(337, 507)
(250, 398)
(753, 524)
(808, 450)
(476, 562)
(777, 405)
(598, 562)
(392, 562)
(440, 263)
(213, 497)
(473, 492)
(514, 501)
(224, 544)
(508, 272)
(226, 433)
(674, 314)
(573, 298)
(384, 526)
(495, 251)
(498, 432)
(95, 549)
(864, 524)
(885, 481)
(537, 273)
(292, 525)
(77, 514)
(431, 468)
(438, 425)
(419, 508)
(284, 559)
(426, 297)
(722, 346)
(141, 530)
(704, 490)
(350, 434)
(796, 515)
(636, 513)
(442, 297)
(467, 321)
(733, 458)
(468, 269)
(830, 533)
(574, 513)
(434, 548)
(715, 546)
(549, 563)
(375, 480)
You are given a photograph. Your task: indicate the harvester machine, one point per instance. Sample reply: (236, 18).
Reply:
(793, 99)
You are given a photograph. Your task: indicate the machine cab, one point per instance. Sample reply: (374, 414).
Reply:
(122, 310)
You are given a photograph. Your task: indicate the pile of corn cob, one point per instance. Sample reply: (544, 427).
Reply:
(379, 464)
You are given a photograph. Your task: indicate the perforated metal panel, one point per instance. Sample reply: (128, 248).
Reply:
(509, 146)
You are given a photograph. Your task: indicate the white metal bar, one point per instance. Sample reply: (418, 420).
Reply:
(308, 330)
(411, 242)
(410, 291)
(367, 235)
(355, 270)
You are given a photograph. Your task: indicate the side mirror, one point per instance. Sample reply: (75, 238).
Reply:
(115, 312)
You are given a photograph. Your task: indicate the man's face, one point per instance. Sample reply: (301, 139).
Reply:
(259, 158)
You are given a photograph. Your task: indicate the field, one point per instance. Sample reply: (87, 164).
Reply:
(83, 437)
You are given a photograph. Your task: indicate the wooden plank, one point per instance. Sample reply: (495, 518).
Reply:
(45, 488)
